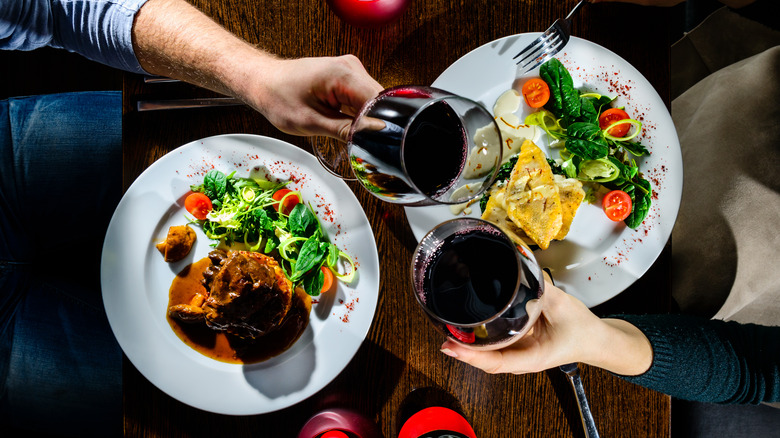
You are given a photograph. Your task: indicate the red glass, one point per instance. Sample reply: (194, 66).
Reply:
(339, 423)
(368, 13)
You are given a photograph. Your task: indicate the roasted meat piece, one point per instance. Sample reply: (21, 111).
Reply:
(177, 243)
(249, 295)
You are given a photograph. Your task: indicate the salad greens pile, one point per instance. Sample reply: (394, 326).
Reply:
(243, 212)
(590, 153)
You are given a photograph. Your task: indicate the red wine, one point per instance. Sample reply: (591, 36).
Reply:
(472, 277)
(435, 150)
(434, 155)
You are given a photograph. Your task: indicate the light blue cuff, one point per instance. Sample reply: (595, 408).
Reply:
(100, 30)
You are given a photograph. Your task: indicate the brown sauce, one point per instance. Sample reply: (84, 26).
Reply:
(225, 347)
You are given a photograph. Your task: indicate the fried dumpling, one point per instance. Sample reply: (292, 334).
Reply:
(571, 195)
(532, 198)
(495, 212)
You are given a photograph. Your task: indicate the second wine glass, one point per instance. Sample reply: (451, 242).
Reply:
(416, 145)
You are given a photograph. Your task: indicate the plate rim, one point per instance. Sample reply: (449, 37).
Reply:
(673, 183)
(237, 373)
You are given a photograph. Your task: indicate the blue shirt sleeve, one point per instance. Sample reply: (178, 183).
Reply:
(100, 30)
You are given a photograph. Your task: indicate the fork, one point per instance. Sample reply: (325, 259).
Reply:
(548, 44)
(573, 372)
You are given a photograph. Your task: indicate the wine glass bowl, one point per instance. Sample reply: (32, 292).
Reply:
(475, 285)
(416, 145)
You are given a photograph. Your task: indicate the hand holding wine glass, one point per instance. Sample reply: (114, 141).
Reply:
(566, 332)
(416, 145)
(475, 285)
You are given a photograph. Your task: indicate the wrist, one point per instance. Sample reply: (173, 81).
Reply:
(619, 347)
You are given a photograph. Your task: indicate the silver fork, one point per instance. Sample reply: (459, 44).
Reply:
(573, 372)
(548, 44)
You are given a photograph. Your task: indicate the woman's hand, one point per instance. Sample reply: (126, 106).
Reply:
(567, 331)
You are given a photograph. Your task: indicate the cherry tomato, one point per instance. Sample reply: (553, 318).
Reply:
(328, 282)
(617, 205)
(289, 202)
(198, 205)
(611, 116)
(536, 92)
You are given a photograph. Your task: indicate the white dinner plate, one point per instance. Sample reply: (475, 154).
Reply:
(599, 258)
(135, 280)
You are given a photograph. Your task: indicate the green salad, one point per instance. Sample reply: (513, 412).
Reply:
(266, 217)
(597, 140)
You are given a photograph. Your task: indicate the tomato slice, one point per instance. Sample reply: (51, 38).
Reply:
(198, 205)
(328, 282)
(536, 92)
(617, 205)
(289, 201)
(611, 116)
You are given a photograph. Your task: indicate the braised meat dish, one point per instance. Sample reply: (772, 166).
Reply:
(248, 295)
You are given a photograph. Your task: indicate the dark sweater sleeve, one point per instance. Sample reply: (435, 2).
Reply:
(710, 360)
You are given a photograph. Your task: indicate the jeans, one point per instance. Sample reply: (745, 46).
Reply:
(60, 180)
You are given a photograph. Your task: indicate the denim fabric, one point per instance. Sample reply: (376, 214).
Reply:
(100, 30)
(60, 180)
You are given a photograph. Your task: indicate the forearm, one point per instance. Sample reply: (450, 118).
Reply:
(709, 360)
(172, 38)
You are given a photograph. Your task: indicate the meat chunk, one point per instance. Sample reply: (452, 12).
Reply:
(249, 295)
(177, 243)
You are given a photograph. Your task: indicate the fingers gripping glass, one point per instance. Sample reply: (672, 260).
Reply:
(475, 285)
(417, 145)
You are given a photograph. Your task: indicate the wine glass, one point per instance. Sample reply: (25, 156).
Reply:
(416, 145)
(475, 284)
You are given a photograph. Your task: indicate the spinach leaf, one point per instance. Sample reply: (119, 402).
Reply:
(564, 99)
(584, 130)
(313, 282)
(555, 167)
(302, 221)
(588, 149)
(215, 184)
(311, 255)
(588, 112)
(636, 149)
(641, 199)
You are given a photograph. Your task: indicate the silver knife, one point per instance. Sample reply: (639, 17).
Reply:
(156, 105)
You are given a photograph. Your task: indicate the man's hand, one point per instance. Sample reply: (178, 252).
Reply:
(308, 96)
(314, 96)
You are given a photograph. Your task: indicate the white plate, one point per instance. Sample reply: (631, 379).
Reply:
(135, 280)
(599, 258)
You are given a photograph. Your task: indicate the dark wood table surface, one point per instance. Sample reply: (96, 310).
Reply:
(401, 351)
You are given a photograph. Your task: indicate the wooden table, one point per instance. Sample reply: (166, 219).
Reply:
(401, 351)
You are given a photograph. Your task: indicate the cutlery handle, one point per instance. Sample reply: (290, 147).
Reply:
(582, 402)
(576, 8)
(156, 105)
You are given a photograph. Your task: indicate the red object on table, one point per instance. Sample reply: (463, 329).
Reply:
(368, 13)
(435, 418)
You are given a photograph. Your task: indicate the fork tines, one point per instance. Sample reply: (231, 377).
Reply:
(540, 51)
